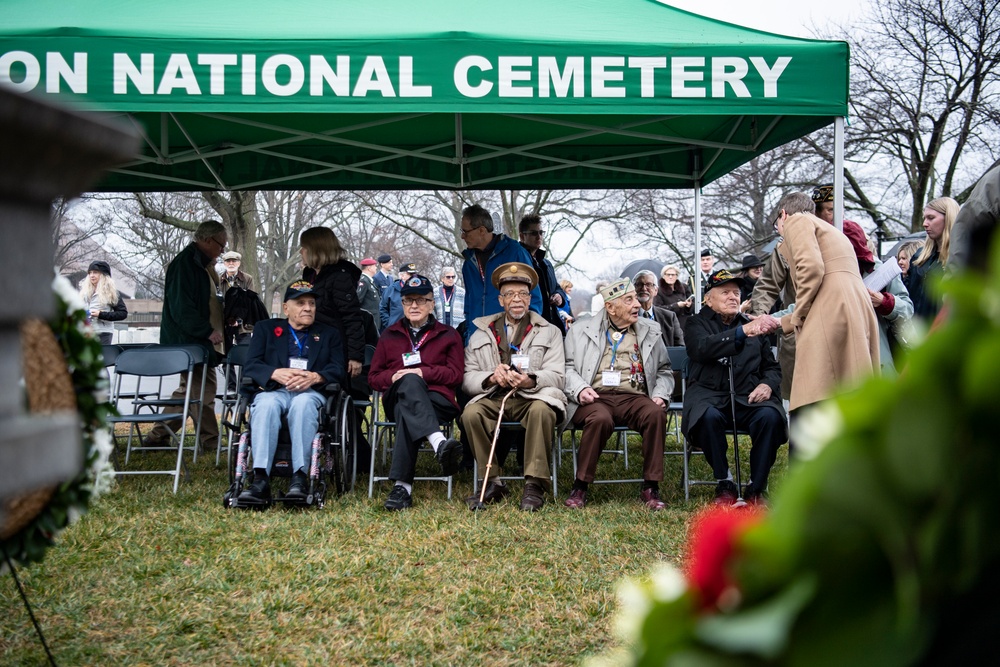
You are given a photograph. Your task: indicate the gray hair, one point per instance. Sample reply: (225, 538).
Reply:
(478, 217)
(644, 272)
(797, 202)
(208, 229)
(448, 269)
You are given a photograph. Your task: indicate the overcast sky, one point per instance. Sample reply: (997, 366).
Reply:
(786, 17)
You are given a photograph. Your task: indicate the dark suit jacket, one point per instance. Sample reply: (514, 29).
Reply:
(670, 327)
(269, 351)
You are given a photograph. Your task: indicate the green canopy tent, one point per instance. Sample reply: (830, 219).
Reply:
(445, 94)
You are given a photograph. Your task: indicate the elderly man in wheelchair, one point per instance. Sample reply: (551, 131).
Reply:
(289, 360)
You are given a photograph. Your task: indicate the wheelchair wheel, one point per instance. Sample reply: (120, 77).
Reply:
(340, 446)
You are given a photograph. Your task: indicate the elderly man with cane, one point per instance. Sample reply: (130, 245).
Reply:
(733, 380)
(520, 351)
(618, 372)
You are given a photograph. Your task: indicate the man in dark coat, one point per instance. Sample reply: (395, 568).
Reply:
(369, 294)
(193, 315)
(645, 292)
(717, 336)
(289, 359)
(530, 233)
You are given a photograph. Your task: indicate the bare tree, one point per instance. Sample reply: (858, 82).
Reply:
(925, 98)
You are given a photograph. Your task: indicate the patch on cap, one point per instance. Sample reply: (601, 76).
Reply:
(617, 289)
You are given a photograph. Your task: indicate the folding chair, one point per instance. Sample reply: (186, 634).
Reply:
(620, 433)
(232, 369)
(155, 362)
(381, 438)
(554, 463)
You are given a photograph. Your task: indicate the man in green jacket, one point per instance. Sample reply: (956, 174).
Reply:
(192, 314)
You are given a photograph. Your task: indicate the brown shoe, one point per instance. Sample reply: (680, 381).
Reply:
(651, 499)
(533, 497)
(577, 499)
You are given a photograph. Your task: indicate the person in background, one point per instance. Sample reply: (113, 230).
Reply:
(645, 292)
(485, 251)
(449, 299)
(383, 278)
(674, 295)
(566, 310)
(391, 307)
(597, 301)
(418, 364)
(335, 281)
(707, 264)
(930, 262)
(236, 332)
(193, 315)
(104, 303)
(750, 273)
(531, 234)
(369, 294)
(903, 256)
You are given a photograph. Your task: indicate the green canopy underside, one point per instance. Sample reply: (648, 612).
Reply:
(437, 94)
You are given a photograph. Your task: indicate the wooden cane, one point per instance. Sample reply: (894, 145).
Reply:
(493, 445)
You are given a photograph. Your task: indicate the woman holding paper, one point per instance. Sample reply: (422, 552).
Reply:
(892, 304)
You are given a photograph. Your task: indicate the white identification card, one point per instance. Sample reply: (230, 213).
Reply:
(521, 362)
(611, 378)
(298, 363)
(447, 307)
(411, 359)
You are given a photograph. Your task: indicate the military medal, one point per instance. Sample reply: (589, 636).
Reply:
(616, 336)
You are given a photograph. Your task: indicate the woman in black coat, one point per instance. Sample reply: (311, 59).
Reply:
(336, 281)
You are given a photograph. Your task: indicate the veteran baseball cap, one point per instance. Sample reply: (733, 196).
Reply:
(298, 289)
(416, 285)
(410, 268)
(514, 272)
(721, 277)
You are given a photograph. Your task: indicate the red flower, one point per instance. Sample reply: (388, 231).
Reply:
(713, 541)
(278, 331)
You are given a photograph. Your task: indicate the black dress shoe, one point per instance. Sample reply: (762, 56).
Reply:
(399, 499)
(298, 489)
(258, 493)
(495, 492)
(449, 454)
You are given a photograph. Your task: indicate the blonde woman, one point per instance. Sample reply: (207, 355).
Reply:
(104, 303)
(932, 258)
(335, 281)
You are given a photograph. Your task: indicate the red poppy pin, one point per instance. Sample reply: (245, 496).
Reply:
(278, 331)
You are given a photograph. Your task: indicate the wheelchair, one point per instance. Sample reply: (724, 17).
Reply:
(332, 465)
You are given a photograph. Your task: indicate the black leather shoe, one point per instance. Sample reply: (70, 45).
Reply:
(299, 487)
(449, 455)
(399, 499)
(726, 493)
(495, 492)
(258, 493)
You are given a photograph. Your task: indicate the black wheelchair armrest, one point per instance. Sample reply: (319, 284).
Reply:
(330, 388)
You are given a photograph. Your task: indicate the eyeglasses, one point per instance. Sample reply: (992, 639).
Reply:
(777, 218)
(466, 232)
(449, 277)
(522, 294)
(644, 286)
(415, 302)
(222, 246)
(534, 232)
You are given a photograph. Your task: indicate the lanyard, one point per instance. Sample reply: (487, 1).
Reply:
(614, 347)
(300, 343)
(416, 346)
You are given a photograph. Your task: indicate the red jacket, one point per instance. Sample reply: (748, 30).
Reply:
(442, 358)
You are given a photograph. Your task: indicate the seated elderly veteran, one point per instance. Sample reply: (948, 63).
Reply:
(514, 350)
(716, 336)
(418, 364)
(288, 359)
(618, 372)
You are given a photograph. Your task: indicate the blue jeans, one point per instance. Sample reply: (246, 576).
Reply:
(302, 409)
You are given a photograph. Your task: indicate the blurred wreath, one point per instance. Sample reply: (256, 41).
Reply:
(64, 370)
(883, 549)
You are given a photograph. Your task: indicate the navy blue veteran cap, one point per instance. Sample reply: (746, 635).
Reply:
(721, 277)
(416, 285)
(299, 288)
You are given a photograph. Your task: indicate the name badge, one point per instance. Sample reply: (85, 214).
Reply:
(411, 359)
(298, 363)
(447, 307)
(611, 378)
(521, 362)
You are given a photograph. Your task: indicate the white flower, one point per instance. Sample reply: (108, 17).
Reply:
(102, 473)
(634, 603)
(62, 287)
(817, 426)
(668, 582)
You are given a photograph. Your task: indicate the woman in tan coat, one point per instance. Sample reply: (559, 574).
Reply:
(836, 332)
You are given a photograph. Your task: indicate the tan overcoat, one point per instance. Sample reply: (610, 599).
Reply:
(836, 331)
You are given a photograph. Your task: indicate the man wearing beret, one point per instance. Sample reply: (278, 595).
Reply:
(418, 365)
(383, 278)
(288, 360)
(369, 295)
(618, 373)
(717, 336)
(391, 306)
(517, 350)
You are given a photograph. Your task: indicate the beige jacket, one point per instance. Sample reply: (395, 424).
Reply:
(544, 347)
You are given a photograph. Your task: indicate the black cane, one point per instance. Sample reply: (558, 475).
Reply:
(736, 442)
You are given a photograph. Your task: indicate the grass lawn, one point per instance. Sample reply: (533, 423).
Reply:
(150, 578)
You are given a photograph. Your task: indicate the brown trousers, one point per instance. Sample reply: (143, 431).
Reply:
(598, 419)
(539, 420)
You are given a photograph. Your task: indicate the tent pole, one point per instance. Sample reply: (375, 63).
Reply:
(838, 172)
(459, 155)
(695, 275)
